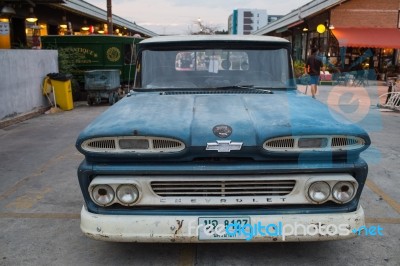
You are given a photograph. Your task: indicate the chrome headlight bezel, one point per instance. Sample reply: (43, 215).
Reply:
(124, 188)
(102, 191)
(115, 183)
(332, 183)
(349, 189)
(324, 186)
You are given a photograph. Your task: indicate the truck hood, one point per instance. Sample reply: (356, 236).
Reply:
(191, 117)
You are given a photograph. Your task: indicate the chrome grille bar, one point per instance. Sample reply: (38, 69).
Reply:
(223, 188)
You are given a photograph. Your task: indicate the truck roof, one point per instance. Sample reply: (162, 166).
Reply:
(202, 38)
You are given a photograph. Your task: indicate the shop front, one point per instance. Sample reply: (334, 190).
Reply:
(351, 35)
(349, 49)
(369, 48)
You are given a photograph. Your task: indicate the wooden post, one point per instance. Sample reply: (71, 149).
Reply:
(109, 18)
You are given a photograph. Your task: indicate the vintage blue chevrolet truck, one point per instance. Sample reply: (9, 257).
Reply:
(215, 144)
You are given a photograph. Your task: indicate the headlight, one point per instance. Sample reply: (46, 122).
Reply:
(127, 194)
(103, 195)
(343, 191)
(319, 191)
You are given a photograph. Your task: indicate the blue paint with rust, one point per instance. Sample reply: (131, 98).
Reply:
(190, 118)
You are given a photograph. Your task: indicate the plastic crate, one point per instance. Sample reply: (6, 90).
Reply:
(105, 79)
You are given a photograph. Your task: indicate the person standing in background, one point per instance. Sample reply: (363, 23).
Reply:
(36, 44)
(314, 66)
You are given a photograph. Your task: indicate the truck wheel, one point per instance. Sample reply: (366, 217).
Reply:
(111, 98)
(89, 100)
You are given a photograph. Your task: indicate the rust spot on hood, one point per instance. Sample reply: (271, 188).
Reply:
(180, 224)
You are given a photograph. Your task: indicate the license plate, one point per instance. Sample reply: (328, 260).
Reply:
(213, 228)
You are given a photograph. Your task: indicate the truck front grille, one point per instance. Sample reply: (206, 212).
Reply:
(224, 188)
(221, 191)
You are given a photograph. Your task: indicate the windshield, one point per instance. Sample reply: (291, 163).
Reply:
(213, 68)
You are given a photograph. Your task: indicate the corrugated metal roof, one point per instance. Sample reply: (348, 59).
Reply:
(305, 11)
(47, 1)
(98, 13)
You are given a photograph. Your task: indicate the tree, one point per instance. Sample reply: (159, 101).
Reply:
(203, 29)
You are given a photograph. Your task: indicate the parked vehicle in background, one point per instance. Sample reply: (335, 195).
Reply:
(102, 84)
(78, 54)
(215, 144)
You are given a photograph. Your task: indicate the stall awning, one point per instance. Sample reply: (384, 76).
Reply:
(368, 37)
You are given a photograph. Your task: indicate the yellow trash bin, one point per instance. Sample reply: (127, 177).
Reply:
(63, 92)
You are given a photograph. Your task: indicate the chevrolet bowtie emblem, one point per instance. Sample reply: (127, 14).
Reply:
(224, 146)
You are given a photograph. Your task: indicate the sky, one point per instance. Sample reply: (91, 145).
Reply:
(180, 16)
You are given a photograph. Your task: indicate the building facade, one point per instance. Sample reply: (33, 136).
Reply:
(22, 22)
(351, 34)
(245, 21)
(273, 18)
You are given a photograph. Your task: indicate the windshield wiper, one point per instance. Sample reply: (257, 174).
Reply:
(246, 87)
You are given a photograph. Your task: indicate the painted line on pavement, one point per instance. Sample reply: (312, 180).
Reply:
(39, 171)
(15, 215)
(389, 200)
(373, 220)
(187, 255)
(29, 199)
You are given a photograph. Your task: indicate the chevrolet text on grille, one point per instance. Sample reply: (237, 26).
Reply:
(216, 200)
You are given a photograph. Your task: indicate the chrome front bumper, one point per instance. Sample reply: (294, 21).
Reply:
(184, 229)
